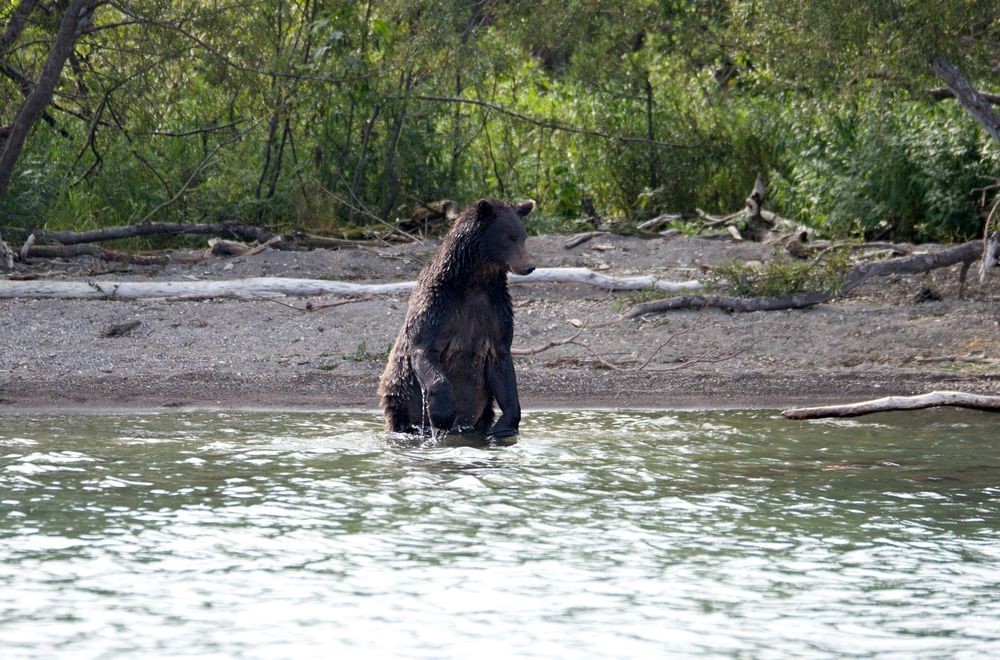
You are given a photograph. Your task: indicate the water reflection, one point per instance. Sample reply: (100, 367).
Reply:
(598, 533)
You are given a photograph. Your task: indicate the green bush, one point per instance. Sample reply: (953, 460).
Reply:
(905, 172)
(781, 277)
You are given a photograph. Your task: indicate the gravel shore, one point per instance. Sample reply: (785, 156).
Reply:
(274, 354)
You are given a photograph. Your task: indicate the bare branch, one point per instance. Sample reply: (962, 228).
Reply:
(942, 93)
(199, 131)
(550, 124)
(16, 25)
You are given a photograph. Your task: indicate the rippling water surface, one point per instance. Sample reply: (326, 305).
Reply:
(598, 534)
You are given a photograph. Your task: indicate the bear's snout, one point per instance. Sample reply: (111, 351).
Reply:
(527, 270)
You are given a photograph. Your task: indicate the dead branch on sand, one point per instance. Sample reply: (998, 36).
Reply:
(929, 400)
(706, 357)
(309, 307)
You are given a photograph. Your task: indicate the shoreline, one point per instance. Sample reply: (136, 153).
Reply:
(293, 393)
(887, 337)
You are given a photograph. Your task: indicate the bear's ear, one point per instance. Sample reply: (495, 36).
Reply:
(525, 207)
(484, 209)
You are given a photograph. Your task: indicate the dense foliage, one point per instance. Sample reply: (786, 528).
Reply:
(332, 115)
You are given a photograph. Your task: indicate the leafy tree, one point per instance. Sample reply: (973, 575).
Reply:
(857, 45)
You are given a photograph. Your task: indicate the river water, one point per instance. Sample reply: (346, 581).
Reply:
(600, 534)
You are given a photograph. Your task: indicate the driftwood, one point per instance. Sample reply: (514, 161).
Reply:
(254, 287)
(929, 400)
(265, 287)
(220, 247)
(6, 256)
(810, 249)
(657, 223)
(304, 240)
(580, 239)
(730, 303)
(908, 265)
(90, 250)
(23, 253)
(235, 229)
(608, 282)
(74, 244)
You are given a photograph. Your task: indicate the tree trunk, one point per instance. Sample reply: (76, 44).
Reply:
(41, 96)
(359, 167)
(970, 98)
(392, 193)
(757, 227)
(16, 25)
(654, 166)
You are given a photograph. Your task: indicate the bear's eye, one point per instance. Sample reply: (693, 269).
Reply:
(512, 238)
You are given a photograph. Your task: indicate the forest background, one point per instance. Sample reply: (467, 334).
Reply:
(338, 116)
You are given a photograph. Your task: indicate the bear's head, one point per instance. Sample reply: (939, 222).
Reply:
(504, 236)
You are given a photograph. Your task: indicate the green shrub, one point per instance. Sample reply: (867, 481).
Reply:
(780, 277)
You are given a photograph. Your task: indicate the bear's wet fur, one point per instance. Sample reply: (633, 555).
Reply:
(452, 360)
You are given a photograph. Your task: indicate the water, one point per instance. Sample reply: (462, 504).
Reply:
(599, 534)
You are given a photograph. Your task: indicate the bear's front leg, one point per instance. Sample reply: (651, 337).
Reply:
(438, 397)
(440, 402)
(503, 386)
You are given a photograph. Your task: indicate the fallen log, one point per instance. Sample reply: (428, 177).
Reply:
(305, 240)
(731, 303)
(608, 282)
(909, 265)
(929, 400)
(580, 239)
(235, 229)
(657, 223)
(220, 247)
(265, 287)
(913, 264)
(254, 287)
(91, 250)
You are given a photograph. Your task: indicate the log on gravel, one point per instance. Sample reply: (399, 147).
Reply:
(254, 287)
(909, 265)
(580, 239)
(264, 287)
(608, 282)
(929, 400)
(91, 250)
(235, 229)
(731, 303)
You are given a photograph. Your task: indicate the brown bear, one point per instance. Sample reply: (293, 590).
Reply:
(451, 359)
